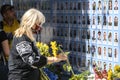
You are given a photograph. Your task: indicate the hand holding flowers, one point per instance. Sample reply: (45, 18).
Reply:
(55, 56)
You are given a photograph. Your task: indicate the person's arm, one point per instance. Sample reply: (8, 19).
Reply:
(26, 51)
(4, 43)
(33, 58)
(60, 57)
(5, 47)
(51, 60)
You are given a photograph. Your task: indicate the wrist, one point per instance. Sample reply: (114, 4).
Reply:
(53, 59)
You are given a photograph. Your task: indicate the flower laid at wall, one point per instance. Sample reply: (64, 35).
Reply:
(116, 71)
(43, 48)
(111, 74)
(55, 50)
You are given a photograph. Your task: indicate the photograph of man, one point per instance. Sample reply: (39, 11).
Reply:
(115, 21)
(110, 5)
(94, 6)
(79, 6)
(99, 50)
(93, 50)
(71, 5)
(88, 49)
(104, 6)
(93, 20)
(115, 54)
(99, 5)
(115, 37)
(99, 35)
(110, 36)
(75, 6)
(88, 34)
(109, 20)
(66, 6)
(104, 53)
(104, 20)
(99, 20)
(88, 63)
(104, 36)
(110, 52)
(116, 5)
(93, 36)
(83, 34)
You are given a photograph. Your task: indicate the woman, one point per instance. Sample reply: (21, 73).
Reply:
(25, 59)
(4, 52)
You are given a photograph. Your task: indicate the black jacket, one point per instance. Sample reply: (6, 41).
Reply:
(24, 60)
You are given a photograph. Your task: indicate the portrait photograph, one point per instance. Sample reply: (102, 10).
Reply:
(93, 21)
(110, 3)
(116, 54)
(93, 7)
(83, 7)
(88, 21)
(74, 5)
(99, 51)
(79, 20)
(79, 5)
(88, 6)
(110, 20)
(88, 49)
(88, 63)
(99, 19)
(99, 37)
(104, 37)
(115, 22)
(93, 36)
(83, 49)
(79, 62)
(116, 6)
(88, 34)
(83, 21)
(83, 34)
(110, 37)
(110, 53)
(104, 53)
(93, 50)
(115, 38)
(104, 21)
(105, 7)
(99, 7)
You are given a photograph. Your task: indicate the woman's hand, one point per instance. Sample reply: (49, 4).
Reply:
(62, 56)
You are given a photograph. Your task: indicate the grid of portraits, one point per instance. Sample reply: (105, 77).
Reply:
(90, 31)
(87, 28)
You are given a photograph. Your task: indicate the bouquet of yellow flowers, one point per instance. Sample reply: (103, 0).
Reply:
(49, 50)
(116, 71)
(45, 49)
(52, 50)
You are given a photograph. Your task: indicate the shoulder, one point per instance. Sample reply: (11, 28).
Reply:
(20, 39)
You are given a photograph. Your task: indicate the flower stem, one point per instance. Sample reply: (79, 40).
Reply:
(67, 60)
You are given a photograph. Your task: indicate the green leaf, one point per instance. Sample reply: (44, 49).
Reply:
(67, 53)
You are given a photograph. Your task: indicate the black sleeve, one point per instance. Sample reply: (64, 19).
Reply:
(29, 56)
(3, 36)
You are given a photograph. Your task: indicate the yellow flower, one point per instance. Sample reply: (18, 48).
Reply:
(54, 48)
(38, 44)
(117, 68)
(43, 48)
(110, 73)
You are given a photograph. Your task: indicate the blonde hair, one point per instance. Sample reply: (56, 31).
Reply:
(29, 19)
